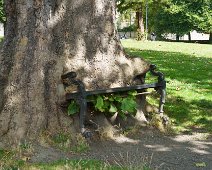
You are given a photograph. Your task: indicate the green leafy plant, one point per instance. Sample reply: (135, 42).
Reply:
(73, 108)
(110, 103)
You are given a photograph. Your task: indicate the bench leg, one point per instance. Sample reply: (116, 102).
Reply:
(83, 109)
(162, 100)
(162, 92)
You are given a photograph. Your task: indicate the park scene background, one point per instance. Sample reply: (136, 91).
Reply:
(176, 36)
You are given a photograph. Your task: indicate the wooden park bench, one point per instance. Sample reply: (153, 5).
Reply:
(80, 95)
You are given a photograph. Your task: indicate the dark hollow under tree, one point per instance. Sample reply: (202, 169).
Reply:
(43, 40)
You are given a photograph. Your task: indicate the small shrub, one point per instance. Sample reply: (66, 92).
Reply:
(110, 104)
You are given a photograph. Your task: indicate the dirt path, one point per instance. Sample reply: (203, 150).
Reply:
(181, 152)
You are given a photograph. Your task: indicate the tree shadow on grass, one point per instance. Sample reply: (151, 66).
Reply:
(189, 86)
(157, 151)
(192, 116)
(154, 151)
(180, 66)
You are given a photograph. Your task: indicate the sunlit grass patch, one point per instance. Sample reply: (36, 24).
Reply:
(193, 49)
(188, 71)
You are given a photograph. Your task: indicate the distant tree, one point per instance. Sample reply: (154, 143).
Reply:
(200, 15)
(171, 18)
(182, 16)
(138, 7)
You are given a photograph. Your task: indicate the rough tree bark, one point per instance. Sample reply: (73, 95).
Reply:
(44, 39)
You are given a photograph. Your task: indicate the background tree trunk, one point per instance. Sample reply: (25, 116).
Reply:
(177, 37)
(189, 36)
(140, 20)
(43, 40)
(210, 38)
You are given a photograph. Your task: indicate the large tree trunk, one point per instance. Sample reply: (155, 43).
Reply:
(43, 40)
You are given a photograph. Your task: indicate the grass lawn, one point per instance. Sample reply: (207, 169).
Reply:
(11, 164)
(8, 163)
(188, 71)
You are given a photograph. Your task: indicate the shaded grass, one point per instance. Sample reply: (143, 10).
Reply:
(73, 164)
(8, 160)
(13, 160)
(80, 164)
(60, 164)
(66, 164)
(188, 71)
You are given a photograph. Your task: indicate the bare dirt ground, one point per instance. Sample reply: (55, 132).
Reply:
(177, 152)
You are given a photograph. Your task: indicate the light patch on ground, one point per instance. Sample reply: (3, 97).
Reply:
(199, 151)
(160, 148)
(123, 139)
(188, 138)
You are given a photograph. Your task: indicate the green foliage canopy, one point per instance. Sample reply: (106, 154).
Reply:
(124, 5)
(182, 16)
(173, 16)
(199, 13)
(2, 14)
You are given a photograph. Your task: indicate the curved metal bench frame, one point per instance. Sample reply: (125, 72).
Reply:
(82, 93)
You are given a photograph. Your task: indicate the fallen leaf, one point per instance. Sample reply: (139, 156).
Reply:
(200, 164)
